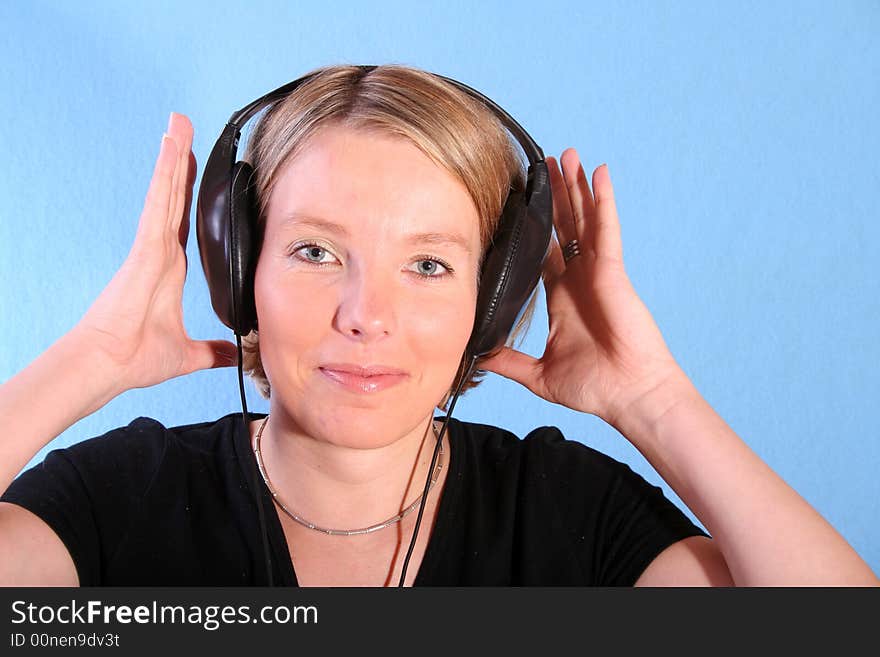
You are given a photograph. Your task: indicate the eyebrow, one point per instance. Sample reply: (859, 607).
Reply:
(441, 239)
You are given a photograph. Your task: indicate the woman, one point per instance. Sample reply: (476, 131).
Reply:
(359, 187)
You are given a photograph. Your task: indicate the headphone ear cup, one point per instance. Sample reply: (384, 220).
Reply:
(243, 211)
(226, 213)
(514, 263)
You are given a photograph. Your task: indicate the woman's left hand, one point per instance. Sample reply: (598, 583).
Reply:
(604, 350)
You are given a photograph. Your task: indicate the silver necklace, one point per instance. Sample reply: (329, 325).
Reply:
(341, 532)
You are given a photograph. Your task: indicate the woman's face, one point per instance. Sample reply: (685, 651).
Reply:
(369, 258)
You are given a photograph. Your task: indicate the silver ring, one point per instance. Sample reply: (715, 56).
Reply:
(570, 250)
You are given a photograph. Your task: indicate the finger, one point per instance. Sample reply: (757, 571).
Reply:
(515, 365)
(177, 131)
(607, 224)
(581, 199)
(172, 196)
(152, 221)
(209, 354)
(561, 205)
(571, 162)
(185, 183)
(180, 129)
(183, 232)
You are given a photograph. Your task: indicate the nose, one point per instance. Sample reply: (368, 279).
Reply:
(367, 305)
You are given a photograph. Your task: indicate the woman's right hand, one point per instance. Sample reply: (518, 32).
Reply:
(137, 321)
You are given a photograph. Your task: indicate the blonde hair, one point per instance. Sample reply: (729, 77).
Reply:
(455, 130)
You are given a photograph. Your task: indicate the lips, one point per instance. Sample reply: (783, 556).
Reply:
(362, 370)
(363, 379)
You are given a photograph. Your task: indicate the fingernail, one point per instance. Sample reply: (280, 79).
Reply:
(170, 120)
(168, 142)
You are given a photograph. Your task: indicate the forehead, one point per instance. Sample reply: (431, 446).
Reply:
(363, 181)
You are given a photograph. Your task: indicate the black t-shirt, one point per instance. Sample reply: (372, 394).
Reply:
(146, 505)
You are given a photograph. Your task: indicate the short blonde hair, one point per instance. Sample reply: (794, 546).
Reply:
(455, 130)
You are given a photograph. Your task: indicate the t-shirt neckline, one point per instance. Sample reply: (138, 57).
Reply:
(275, 532)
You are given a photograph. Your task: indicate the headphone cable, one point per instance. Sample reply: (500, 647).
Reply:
(255, 478)
(255, 475)
(412, 543)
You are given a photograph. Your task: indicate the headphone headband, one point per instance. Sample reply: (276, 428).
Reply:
(531, 149)
(227, 214)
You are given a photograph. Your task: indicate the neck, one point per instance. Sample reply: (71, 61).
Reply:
(342, 485)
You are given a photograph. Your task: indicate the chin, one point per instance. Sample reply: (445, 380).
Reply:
(367, 427)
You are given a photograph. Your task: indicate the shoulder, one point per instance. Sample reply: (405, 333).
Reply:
(544, 451)
(146, 440)
(572, 513)
(108, 494)
(112, 474)
(573, 479)
(127, 459)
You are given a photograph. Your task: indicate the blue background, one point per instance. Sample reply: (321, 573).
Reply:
(741, 139)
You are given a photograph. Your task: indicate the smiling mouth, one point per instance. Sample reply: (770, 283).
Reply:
(359, 383)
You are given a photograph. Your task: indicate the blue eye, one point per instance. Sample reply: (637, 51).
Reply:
(430, 271)
(313, 253)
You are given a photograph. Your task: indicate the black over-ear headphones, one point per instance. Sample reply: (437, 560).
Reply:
(226, 215)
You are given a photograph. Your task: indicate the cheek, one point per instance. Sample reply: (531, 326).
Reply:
(292, 322)
(440, 329)
(296, 320)
(441, 333)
